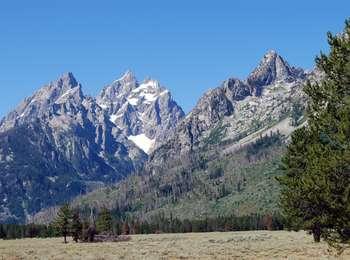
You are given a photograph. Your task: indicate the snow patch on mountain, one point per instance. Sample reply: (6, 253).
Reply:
(148, 91)
(113, 118)
(146, 85)
(149, 97)
(103, 106)
(133, 101)
(142, 141)
(140, 109)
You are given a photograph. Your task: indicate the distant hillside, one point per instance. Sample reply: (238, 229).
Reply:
(207, 185)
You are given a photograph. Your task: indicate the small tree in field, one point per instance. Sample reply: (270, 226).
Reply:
(104, 221)
(63, 221)
(2, 232)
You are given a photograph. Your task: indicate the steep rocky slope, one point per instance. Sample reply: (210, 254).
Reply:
(237, 109)
(59, 143)
(224, 156)
(145, 112)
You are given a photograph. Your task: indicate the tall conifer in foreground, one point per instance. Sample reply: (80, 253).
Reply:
(315, 192)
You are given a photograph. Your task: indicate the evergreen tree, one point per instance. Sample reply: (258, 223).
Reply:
(2, 232)
(316, 186)
(77, 227)
(104, 221)
(50, 231)
(63, 221)
(296, 113)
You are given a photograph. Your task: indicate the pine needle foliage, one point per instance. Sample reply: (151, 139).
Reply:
(315, 192)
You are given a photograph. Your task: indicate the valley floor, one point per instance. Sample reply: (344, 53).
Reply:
(229, 245)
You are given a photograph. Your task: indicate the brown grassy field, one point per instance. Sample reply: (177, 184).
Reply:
(230, 245)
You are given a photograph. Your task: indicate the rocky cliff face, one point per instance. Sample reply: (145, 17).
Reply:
(272, 69)
(56, 144)
(223, 157)
(239, 110)
(59, 143)
(80, 129)
(145, 112)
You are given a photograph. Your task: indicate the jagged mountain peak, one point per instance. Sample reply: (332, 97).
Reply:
(128, 89)
(64, 88)
(60, 86)
(271, 69)
(65, 85)
(151, 83)
(68, 78)
(114, 94)
(64, 92)
(143, 111)
(237, 107)
(119, 90)
(73, 142)
(271, 53)
(128, 76)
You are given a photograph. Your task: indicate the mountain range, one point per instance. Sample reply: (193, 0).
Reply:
(59, 143)
(223, 157)
(133, 150)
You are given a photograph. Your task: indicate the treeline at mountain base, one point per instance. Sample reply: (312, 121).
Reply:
(159, 224)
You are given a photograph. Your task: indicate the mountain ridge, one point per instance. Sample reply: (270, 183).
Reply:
(137, 127)
(74, 131)
(223, 156)
(224, 101)
(145, 110)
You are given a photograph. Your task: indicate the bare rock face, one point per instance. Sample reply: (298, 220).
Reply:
(145, 112)
(236, 110)
(57, 144)
(60, 94)
(272, 69)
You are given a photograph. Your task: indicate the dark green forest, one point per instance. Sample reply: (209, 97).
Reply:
(159, 224)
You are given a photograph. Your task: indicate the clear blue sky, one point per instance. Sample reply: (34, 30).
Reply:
(189, 45)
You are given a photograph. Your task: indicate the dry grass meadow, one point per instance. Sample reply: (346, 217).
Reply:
(230, 245)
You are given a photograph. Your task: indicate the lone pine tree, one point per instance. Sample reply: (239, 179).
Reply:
(63, 221)
(104, 221)
(315, 193)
